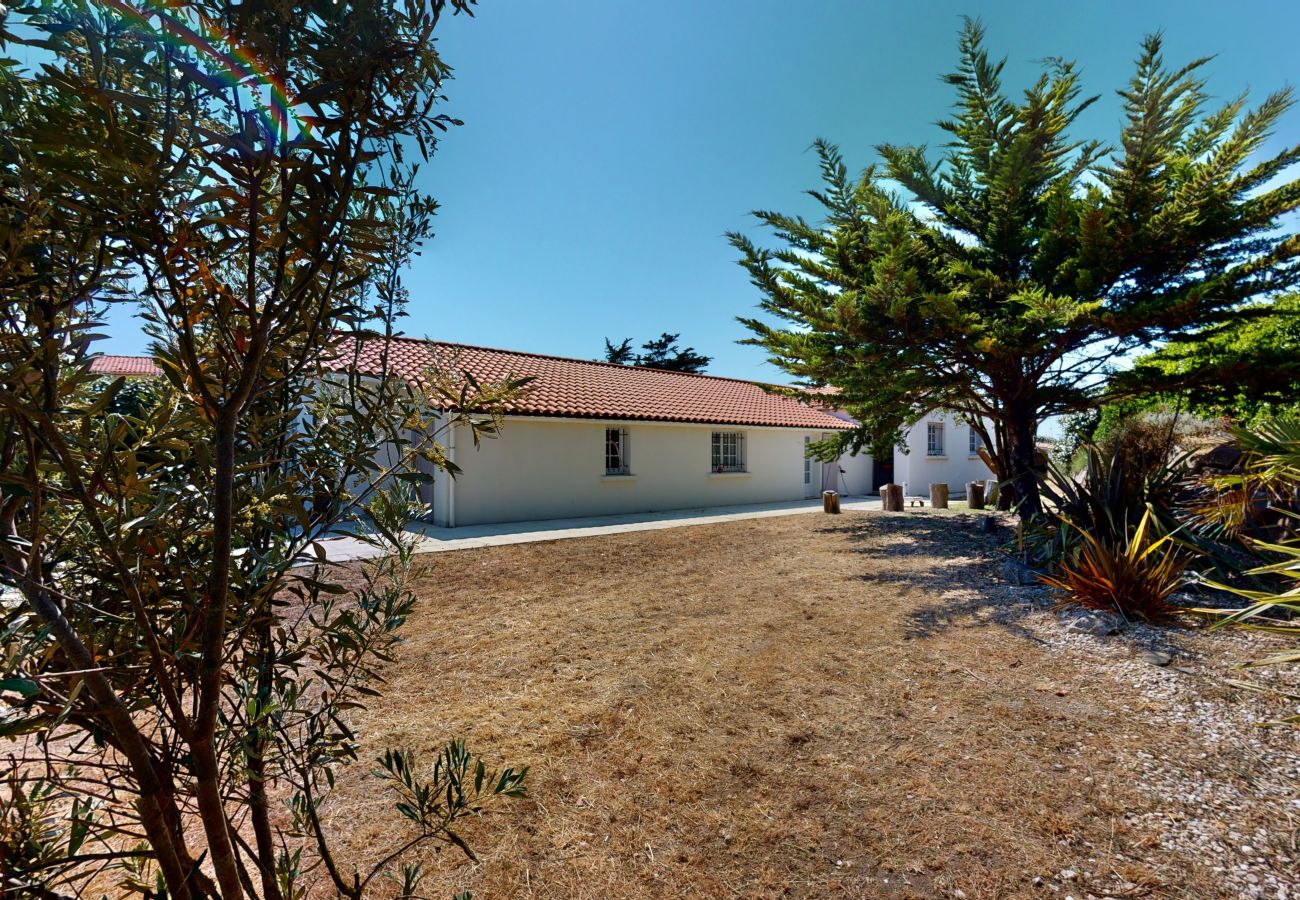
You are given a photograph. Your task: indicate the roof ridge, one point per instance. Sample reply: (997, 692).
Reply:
(578, 359)
(534, 355)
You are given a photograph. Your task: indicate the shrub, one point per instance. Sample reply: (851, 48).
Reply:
(1261, 502)
(1132, 575)
(1106, 500)
(1271, 479)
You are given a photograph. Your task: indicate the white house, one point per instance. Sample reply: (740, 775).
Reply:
(592, 438)
(941, 448)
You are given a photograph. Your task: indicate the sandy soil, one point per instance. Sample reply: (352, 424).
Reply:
(811, 706)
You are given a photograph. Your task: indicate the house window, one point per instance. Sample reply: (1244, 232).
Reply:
(728, 451)
(616, 457)
(934, 439)
(807, 461)
(975, 442)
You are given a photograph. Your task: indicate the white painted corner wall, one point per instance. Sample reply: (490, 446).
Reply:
(917, 470)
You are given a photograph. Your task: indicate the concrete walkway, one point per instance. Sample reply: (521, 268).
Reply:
(436, 540)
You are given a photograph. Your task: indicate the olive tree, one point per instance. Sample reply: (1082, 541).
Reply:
(180, 662)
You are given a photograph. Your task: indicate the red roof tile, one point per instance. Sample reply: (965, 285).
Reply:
(579, 388)
(575, 388)
(124, 365)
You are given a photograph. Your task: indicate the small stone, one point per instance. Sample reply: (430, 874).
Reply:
(1157, 657)
(1015, 572)
(1098, 623)
(1068, 875)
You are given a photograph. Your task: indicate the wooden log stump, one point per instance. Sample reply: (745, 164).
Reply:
(831, 502)
(1006, 497)
(991, 492)
(939, 496)
(975, 494)
(892, 498)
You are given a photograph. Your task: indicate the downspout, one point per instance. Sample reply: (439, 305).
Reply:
(451, 479)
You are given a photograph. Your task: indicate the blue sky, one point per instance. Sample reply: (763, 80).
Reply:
(608, 146)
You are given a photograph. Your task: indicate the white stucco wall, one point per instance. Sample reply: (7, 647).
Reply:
(541, 468)
(958, 465)
(856, 477)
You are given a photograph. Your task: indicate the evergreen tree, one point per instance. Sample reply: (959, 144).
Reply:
(1247, 370)
(660, 353)
(1010, 272)
(622, 355)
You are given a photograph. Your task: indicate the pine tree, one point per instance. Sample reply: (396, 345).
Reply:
(1009, 274)
(660, 353)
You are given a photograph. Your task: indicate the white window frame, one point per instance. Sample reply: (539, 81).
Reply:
(976, 442)
(934, 447)
(619, 461)
(727, 452)
(807, 461)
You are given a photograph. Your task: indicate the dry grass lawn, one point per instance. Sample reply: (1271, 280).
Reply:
(788, 706)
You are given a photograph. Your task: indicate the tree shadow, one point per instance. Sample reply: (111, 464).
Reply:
(983, 595)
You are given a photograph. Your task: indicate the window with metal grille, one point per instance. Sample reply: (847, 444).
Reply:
(934, 439)
(975, 442)
(728, 451)
(616, 456)
(807, 462)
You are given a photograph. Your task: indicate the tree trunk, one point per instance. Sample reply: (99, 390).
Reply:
(939, 496)
(975, 495)
(892, 498)
(1021, 432)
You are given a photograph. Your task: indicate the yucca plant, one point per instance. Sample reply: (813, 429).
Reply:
(1133, 575)
(1278, 612)
(1269, 487)
(1260, 502)
(1107, 502)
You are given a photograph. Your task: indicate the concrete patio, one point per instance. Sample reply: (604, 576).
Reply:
(437, 540)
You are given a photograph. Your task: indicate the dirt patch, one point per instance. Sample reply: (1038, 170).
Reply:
(797, 706)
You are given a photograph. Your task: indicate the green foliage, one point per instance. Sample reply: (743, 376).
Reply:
(1106, 501)
(1002, 277)
(1273, 474)
(176, 652)
(460, 786)
(1133, 574)
(1247, 370)
(659, 353)
(1076, 431)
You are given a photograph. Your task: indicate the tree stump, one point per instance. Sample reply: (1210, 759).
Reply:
(939, 496)
(892, 498)
(991, 492)
(1006, 497)
(831, 502)
(975, 494)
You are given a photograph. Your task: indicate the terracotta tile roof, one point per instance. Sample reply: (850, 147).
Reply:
(575, 388)
(579, 388)
(124, 365)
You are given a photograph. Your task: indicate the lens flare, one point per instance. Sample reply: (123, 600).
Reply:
(230, 65)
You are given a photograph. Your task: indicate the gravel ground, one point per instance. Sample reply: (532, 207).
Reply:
(1231, 798)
